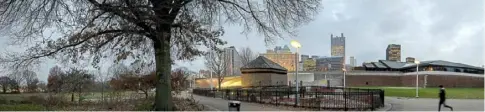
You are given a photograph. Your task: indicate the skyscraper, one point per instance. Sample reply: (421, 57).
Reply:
(329, 63)
(352, 60)
(232, 60)
(337, 46)
(410, 59)
(393, 52)
(304, 57)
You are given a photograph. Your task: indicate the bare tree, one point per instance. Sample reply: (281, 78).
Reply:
(17, 79)
(30, 80)
(78, 81)
(6, 83)
(246, 55)
(216, 64)
(56, 81)
(157, 29)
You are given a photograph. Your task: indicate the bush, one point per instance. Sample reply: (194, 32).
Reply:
(35, 100)
(21, 107)
(145, 106)
(3, 100)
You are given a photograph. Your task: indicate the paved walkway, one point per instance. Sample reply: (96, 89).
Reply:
(427, 104)
(218, 104)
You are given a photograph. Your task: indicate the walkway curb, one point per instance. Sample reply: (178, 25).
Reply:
(387, 107)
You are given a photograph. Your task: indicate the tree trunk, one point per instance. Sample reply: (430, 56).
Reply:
(72, 97)
(163, 96)
(219, 83)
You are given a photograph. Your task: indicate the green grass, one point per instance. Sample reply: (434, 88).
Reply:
(451, 93)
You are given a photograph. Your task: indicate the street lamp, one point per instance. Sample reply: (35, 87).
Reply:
(343, 69)
(297, 45)
(417, 78)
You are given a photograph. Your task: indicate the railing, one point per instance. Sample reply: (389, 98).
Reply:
(314, 97)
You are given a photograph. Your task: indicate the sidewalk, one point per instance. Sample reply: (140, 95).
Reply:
(218, 104)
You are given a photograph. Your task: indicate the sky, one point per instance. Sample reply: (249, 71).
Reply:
(450, 30)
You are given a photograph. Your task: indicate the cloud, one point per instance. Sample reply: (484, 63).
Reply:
(426, 29)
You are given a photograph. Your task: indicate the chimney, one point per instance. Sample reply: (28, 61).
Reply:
(331, 35)
(342, 34)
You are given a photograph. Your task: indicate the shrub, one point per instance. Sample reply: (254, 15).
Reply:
(36, 99)
(3, 100)
(144, 106)
(21, 107)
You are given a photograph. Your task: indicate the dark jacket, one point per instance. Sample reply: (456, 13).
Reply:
(442, 94)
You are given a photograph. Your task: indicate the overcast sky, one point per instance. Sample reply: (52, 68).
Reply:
(450, 30)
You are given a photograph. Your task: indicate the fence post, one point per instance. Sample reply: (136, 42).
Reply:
(277, 97)
(382, 97)
(345, 100)
(372, 100)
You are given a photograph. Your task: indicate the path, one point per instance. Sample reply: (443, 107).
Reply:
(427, 104)
(218, 104)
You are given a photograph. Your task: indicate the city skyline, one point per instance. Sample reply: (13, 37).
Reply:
(433, 30)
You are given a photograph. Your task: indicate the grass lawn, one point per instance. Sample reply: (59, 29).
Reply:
(451, 93)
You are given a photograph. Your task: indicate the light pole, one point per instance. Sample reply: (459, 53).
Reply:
(417, 78)
(297, 45)
(344, 75)
(210, 68)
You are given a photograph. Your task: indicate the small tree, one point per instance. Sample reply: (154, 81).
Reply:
(216, 63)
(77, 81)
(30, 80)
(17, 80)
(246, 55)
(6, 83)
(56, 81)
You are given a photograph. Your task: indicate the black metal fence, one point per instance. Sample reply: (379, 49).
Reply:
(315, 97)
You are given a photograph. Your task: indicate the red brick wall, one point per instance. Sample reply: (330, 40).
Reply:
(372, 80)
(454, 81)
(410, 81)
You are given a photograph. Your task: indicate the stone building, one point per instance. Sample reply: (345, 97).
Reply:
(263, 72)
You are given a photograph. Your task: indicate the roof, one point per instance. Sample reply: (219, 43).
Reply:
(263, 63)
(442, 63)
(379, 65)
(392, 64)
(369, 65)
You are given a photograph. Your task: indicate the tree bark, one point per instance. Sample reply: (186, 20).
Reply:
(163, 97)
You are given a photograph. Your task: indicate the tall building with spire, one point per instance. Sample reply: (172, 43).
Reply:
(337, 47)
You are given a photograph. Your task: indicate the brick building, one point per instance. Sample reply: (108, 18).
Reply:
(282, 56)
(425, 79)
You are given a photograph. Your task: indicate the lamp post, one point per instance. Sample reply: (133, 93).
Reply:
(417, 78)
(210, 69)
(344, 75)
(297, 45)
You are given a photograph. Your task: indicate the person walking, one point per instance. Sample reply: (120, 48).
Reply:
(442, 96)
